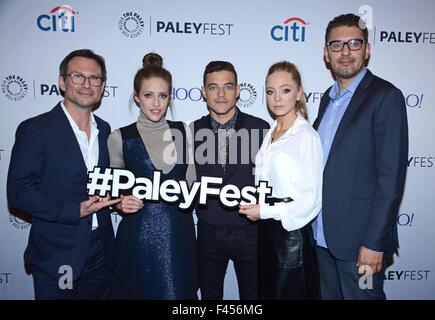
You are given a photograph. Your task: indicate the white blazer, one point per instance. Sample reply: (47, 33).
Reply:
(293, 167)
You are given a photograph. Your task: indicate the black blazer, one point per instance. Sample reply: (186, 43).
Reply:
(364, 174)
(47, 178)
(240, 173)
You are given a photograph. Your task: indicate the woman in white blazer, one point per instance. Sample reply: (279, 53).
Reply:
(291, 161)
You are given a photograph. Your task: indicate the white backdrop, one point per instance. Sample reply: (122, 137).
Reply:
(189, 34)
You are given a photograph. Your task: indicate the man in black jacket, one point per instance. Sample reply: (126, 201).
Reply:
(223, 233)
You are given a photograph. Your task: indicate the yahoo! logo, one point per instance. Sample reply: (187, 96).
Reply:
(60, 18)
(293, 29)
(192, 94)
(414, 100)
(405, 219)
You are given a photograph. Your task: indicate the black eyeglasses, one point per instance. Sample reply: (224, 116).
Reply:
(80, 79)
(338, 45)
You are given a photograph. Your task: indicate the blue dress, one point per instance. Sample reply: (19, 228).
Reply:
(155, 247)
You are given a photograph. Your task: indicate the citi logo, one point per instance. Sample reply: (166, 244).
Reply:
(61, 18)
(293, 29)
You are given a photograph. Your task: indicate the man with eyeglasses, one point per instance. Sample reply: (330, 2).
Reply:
(226, 142)
(363, 128)
(70, 248)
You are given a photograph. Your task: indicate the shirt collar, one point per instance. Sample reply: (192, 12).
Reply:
(335, 90)
(299, 122)
(74, 125)
(230, 124)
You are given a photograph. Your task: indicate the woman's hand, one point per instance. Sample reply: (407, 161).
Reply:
(95, 204)
(251, 211)
(129, 204)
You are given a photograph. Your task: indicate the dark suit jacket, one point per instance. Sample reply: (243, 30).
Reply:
(47, 178)
(239, 173)
(365, 171)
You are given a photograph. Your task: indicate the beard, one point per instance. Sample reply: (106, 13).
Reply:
(347, 72)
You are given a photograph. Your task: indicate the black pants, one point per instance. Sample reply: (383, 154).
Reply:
(287, 265)
(215, 248)
(94, 282)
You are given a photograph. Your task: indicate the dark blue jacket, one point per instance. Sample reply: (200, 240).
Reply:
(364, 174)
(47, 179)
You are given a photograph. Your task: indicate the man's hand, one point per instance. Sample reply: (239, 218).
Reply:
(369, 261)
(251, 211)
(95, 204)
(129, 204)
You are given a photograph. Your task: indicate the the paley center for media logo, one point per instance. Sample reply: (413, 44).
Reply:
(248, 95)
(61, 18)
(291, 30)
(18, 223)
(14, 87)
(131, 24)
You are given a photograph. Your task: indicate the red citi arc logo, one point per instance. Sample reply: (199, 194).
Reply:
(61, 18)
(293, 29)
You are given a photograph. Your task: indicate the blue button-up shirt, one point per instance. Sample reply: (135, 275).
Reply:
(327, 128)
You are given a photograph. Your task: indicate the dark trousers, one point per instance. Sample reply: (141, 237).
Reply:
(215, 248)
(93, 283)
(340, 279)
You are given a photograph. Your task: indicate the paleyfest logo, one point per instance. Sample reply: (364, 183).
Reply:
(112, 181)
(14, 87)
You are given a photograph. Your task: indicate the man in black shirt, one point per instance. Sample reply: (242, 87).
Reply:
(223, 233)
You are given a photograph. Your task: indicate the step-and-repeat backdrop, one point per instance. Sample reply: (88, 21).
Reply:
(36, 35)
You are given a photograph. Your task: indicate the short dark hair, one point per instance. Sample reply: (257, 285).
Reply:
(348, 20)
(214, 66)
(84, 53)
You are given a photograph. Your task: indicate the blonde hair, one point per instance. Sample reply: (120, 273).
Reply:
(291, 68)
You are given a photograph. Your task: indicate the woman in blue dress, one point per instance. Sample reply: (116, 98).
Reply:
(155, 241)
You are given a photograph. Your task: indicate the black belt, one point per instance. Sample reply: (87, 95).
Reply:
(272, 200)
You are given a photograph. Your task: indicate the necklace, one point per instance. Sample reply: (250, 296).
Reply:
(278, 134)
